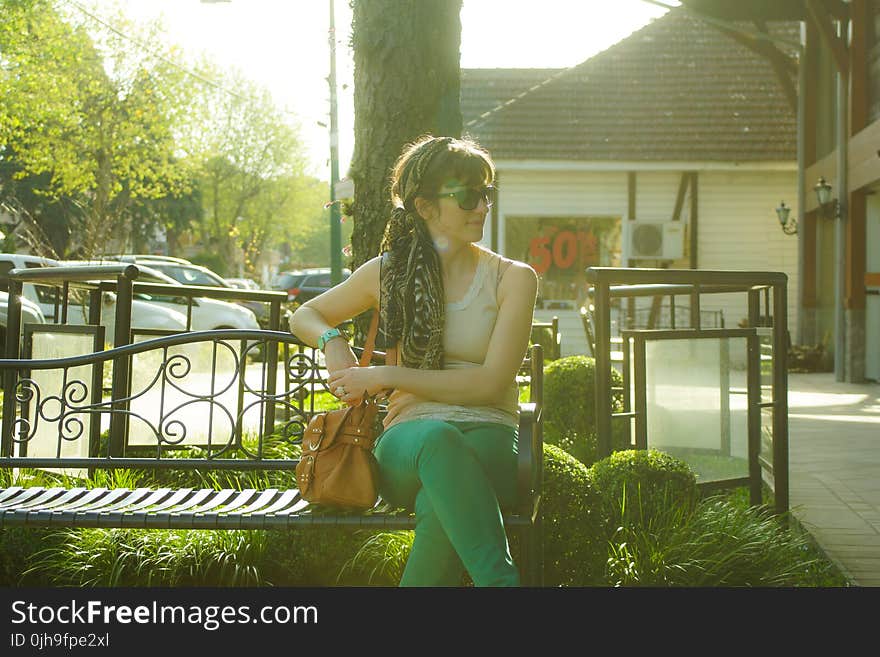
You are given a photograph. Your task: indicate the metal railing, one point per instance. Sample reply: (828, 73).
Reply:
(767, 299)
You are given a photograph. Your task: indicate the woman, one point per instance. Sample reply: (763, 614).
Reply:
(461, 318)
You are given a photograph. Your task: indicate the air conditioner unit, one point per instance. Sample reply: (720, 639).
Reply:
(655, 240)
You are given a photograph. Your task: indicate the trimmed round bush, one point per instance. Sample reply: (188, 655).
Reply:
(569, 407)
(636, 486)
(545, 338)
(574, 526)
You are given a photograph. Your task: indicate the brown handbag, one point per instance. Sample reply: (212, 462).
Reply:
(337, 466)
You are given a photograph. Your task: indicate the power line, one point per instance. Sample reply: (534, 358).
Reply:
(161, 57)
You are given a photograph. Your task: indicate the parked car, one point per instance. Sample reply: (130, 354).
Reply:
(30, 314)
(207, 314)
(143, 314)
(243, 283)
(183, 271)
(305, 284)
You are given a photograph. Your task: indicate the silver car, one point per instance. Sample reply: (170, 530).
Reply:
(143, 314)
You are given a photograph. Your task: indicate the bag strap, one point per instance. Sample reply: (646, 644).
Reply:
(370, 343)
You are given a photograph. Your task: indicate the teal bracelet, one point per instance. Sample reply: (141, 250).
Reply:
(328, 335)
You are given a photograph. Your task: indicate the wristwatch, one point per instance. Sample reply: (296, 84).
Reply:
(328, 335)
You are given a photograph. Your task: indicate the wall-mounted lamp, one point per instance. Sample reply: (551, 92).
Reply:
(828, 207)
(789, 227)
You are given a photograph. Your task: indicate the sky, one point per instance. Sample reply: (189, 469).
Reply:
(284, 45)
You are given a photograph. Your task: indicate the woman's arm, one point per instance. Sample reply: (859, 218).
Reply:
(353, 296)
(485, 384)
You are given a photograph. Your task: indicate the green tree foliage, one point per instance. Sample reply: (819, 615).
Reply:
(252, 161)
(96, 114)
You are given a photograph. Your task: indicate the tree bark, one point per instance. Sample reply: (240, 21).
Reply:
(406, 84)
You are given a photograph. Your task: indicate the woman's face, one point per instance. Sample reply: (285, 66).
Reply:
(456, 214)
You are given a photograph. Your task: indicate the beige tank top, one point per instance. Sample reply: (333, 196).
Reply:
(469, 326)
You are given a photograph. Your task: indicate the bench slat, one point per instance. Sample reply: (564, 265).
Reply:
(38, 500)
(266, 497)
(9, 492)
(24, 495)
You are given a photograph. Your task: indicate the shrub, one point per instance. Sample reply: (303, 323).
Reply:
(573, 524)
(635, 485)
(715, 543)
(158, 557)
(569, 407)
(544, 336)
(19, 546)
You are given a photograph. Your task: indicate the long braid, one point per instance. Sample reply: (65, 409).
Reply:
(413, 300)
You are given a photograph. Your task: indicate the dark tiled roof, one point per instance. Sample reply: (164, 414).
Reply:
(678, 89)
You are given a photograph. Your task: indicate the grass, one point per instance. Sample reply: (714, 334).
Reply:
(381, 559)
(722, 542)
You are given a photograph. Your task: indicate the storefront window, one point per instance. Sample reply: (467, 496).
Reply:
(560, 249)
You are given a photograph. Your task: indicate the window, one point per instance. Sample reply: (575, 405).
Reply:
(560, 249)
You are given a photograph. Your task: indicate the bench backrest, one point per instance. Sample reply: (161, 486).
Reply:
(228, 399)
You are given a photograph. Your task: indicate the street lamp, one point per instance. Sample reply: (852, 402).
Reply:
(827, 205)
(782, 213)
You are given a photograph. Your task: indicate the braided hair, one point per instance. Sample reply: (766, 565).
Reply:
(413, 300)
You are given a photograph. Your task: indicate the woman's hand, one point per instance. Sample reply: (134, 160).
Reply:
(352, 383)
(338, 356)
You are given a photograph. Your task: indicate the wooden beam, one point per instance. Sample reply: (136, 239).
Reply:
(679, 199)
(858, 62)
(864, 157)
(694, 223)
(783, 66)
(854, 297)
(810, 62)
(808, 231)
(819, 17)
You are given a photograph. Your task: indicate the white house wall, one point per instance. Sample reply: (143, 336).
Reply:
(738, 229)
(737, 226)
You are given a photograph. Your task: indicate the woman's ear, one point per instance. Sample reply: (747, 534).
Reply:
(426, 208)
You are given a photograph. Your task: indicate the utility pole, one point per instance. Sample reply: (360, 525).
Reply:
(335, 218)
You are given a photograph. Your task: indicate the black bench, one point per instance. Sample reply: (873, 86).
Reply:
(205, 401)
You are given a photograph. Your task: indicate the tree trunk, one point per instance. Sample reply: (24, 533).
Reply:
(406, 84)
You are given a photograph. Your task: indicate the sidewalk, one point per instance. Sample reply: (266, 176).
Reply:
(834, 462)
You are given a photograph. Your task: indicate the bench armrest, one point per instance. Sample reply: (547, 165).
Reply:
(530, 455)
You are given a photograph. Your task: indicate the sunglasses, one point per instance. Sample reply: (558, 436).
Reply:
(469, 197)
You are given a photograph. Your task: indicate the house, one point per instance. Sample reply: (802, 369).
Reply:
(672, 148)
(838, 130)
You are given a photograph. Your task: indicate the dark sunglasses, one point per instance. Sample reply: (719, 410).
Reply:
(469, 197)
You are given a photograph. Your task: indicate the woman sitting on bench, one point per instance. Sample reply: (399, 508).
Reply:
(461, 318)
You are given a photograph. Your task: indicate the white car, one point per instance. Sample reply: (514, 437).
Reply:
(143, 314)
(187, 273)
(207, 314)
(30, 314)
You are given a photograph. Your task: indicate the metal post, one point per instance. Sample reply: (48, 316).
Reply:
(121, 365)
(641, 392)
(753, 388)
(724, 389)
(840, 225)
(13, 347)
(803, 67)
(780, 397)
(603, 368)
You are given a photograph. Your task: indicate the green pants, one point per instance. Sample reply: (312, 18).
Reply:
(456, 475)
